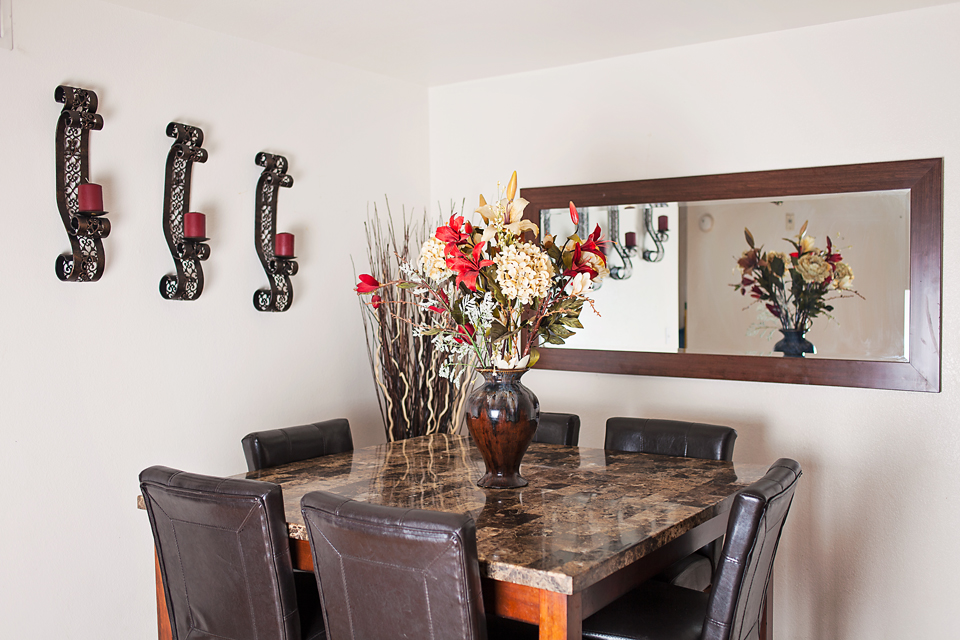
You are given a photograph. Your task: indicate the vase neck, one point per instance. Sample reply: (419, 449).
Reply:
(502, 375)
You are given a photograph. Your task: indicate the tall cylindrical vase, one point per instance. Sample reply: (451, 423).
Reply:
(502, 416)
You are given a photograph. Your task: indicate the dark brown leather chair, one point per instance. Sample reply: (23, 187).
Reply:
(732, 609)
(292, 444)
(224, 556)
(389, 572)
(684, 439)
(558, 428)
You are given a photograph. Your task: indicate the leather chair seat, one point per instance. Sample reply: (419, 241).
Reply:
(653, 611)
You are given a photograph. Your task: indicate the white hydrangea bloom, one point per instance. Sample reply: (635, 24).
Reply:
(524, 272)
(432, 260)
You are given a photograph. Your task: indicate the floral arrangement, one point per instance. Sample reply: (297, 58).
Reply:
(795, 287)
(492, 296)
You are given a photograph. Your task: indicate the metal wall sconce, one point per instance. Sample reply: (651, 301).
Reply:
(659, 236)
(275, 250)
(80, 201)
(629, 249)
(184, 230)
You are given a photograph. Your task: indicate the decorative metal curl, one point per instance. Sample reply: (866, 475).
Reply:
(84, 262)
(187, 252)
(279, 296)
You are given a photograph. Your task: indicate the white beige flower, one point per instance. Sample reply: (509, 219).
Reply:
(524, 272)
(807, 243)
(432, 260)
(813, 268)
(777, 254)
(842, 276)
(580, 283)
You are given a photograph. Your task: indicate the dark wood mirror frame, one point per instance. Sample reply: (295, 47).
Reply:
(924, 179)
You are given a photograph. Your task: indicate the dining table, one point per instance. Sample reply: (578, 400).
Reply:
(590, 525)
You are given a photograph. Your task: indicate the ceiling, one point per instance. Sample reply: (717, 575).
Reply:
(436, 42)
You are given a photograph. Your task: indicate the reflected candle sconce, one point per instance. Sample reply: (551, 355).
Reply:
(274, 249)
(79, 200)
(184, 230)
(630, 249)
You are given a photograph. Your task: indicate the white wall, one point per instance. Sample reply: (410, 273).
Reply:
(100, 380)
(868, 549)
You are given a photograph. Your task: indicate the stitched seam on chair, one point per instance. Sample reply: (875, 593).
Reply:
(426, 590)
(246, 586)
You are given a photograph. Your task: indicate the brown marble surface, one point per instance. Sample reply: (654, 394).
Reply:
(585, 514)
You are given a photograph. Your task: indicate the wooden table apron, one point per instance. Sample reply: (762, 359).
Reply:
(603, 522)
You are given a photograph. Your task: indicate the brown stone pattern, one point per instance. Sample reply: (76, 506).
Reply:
(585, 514)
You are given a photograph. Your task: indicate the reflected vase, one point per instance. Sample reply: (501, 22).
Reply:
(793, 344)
(502, 416)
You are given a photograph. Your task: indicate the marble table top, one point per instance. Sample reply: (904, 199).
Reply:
(585, 514)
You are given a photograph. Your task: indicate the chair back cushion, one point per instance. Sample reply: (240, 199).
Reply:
(292, 444)
(670, 438)
(746, 564)
(224, 556)
(558, 428)
(387, 572)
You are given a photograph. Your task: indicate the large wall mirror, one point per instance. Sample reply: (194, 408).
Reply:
(670, 309)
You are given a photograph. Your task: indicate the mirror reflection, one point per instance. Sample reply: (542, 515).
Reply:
(678, 296)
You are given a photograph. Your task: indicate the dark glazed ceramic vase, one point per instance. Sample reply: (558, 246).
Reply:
(793, 344)
(502, 416)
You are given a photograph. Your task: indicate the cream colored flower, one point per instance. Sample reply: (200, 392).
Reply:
(842, 276)
(596, 263)
(813, 268)
(580, 283)
(524, 272)
(432, 260)
(807, 243)
(777, 254)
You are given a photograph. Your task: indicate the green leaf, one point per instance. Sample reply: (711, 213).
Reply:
(496, 331)
(534, 356)
(407, 285)
(552, 339)
(571, 322)
(562, 331)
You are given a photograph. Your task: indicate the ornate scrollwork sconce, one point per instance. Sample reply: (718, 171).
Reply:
(79, 201)
(186, 241)
(279, 296)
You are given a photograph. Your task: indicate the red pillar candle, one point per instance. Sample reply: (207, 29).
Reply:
(284, 245)
(194, 225)
(662, 223)
(90, 198)
(630, 239)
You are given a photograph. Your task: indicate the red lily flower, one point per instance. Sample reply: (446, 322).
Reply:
(376, 301)
(581, 263)
(367, 284)
(467, 269)
(574, 216)
(452, 233)
(465, 330)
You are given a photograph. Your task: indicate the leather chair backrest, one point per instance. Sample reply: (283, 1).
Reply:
(388, 572)
(292, 444)
(224, 556)
(558, 428)
(670, 438)
(746, 564)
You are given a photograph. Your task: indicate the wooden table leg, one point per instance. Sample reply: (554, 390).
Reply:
(561, 616)
(164, 632)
